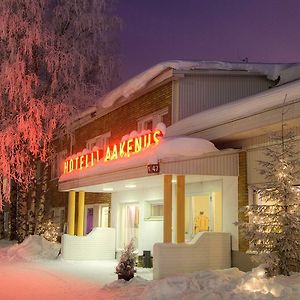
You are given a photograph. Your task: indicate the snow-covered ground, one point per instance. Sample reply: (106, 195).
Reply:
(32, 271)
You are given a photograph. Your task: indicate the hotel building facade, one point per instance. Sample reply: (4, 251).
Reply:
(173, 152)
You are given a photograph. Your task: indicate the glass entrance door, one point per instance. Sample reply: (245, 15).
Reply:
(203, 212)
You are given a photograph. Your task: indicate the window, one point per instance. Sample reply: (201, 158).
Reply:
(129, 224)
(58, 217)
(255, 198)
(104, 214)
(57, 164)
(154, 210)
(150, 121)
(100, 141)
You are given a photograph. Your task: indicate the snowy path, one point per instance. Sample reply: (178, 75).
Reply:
(34, 281)
(25, 274)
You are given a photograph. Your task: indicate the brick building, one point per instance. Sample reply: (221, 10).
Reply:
(234, 106)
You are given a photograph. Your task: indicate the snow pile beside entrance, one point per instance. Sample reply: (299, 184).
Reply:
(34, 247)
(230, 284)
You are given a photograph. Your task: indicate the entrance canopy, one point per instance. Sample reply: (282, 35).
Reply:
(130, 157)
(222, 163)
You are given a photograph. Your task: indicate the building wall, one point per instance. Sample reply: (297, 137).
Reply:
(255, 154)
(242, 197)
(201, 92)
(123, 120)
(119, 122)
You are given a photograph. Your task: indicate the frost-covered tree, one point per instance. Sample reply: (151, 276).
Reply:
(273, 229)
(56, 57)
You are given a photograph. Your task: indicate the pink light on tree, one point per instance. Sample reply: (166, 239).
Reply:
(56, 57)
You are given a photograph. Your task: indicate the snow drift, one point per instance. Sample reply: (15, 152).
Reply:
(229, 284)
(34, 247)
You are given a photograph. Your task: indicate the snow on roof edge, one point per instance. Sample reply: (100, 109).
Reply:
(236, 109)
(128, 88)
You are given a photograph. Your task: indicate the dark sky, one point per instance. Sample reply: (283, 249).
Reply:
(229, 30)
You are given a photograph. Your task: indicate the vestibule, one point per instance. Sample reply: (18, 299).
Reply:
(171, 206)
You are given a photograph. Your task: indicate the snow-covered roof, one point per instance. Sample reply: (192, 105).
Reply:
(290, 74)
(128, 88)
(235, 110)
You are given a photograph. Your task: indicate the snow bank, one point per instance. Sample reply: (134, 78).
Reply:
(229, 284)
(131, 86)
(34, 247)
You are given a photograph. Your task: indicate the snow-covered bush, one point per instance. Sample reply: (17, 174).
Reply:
(126, 266)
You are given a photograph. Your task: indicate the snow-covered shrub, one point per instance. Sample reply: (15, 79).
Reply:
(126, 266)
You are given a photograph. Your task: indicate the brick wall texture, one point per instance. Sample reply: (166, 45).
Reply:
(119, 122)
(242, 196)
(123, 120)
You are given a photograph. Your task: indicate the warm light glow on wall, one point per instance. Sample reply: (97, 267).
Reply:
(125, 148)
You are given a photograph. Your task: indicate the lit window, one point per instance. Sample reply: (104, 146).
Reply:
(100, 141)
(150, 121)
(154, 210)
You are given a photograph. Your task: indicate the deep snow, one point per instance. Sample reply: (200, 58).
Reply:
(30, 271)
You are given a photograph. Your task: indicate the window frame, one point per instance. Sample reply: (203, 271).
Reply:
(105, 136)
(156, 117)
(148, 204)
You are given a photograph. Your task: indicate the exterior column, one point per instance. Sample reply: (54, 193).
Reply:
(80, 213)
(180, 194)
(167, 208)
(71, 213)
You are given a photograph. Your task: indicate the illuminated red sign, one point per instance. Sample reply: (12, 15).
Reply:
(125, 148)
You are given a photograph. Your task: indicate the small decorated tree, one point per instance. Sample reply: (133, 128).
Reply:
(126, 266)
(49, 231)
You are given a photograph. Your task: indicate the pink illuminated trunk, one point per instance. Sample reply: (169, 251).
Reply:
(22, 225)
(40, 213)
(1, 224)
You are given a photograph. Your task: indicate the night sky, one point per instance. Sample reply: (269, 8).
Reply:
(228, 30)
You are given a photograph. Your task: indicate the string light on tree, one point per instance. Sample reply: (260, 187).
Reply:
(50, 231)
(273, 228)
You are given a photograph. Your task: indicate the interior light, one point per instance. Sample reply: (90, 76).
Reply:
(107, 189)
(130, 186)
(174, 181)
